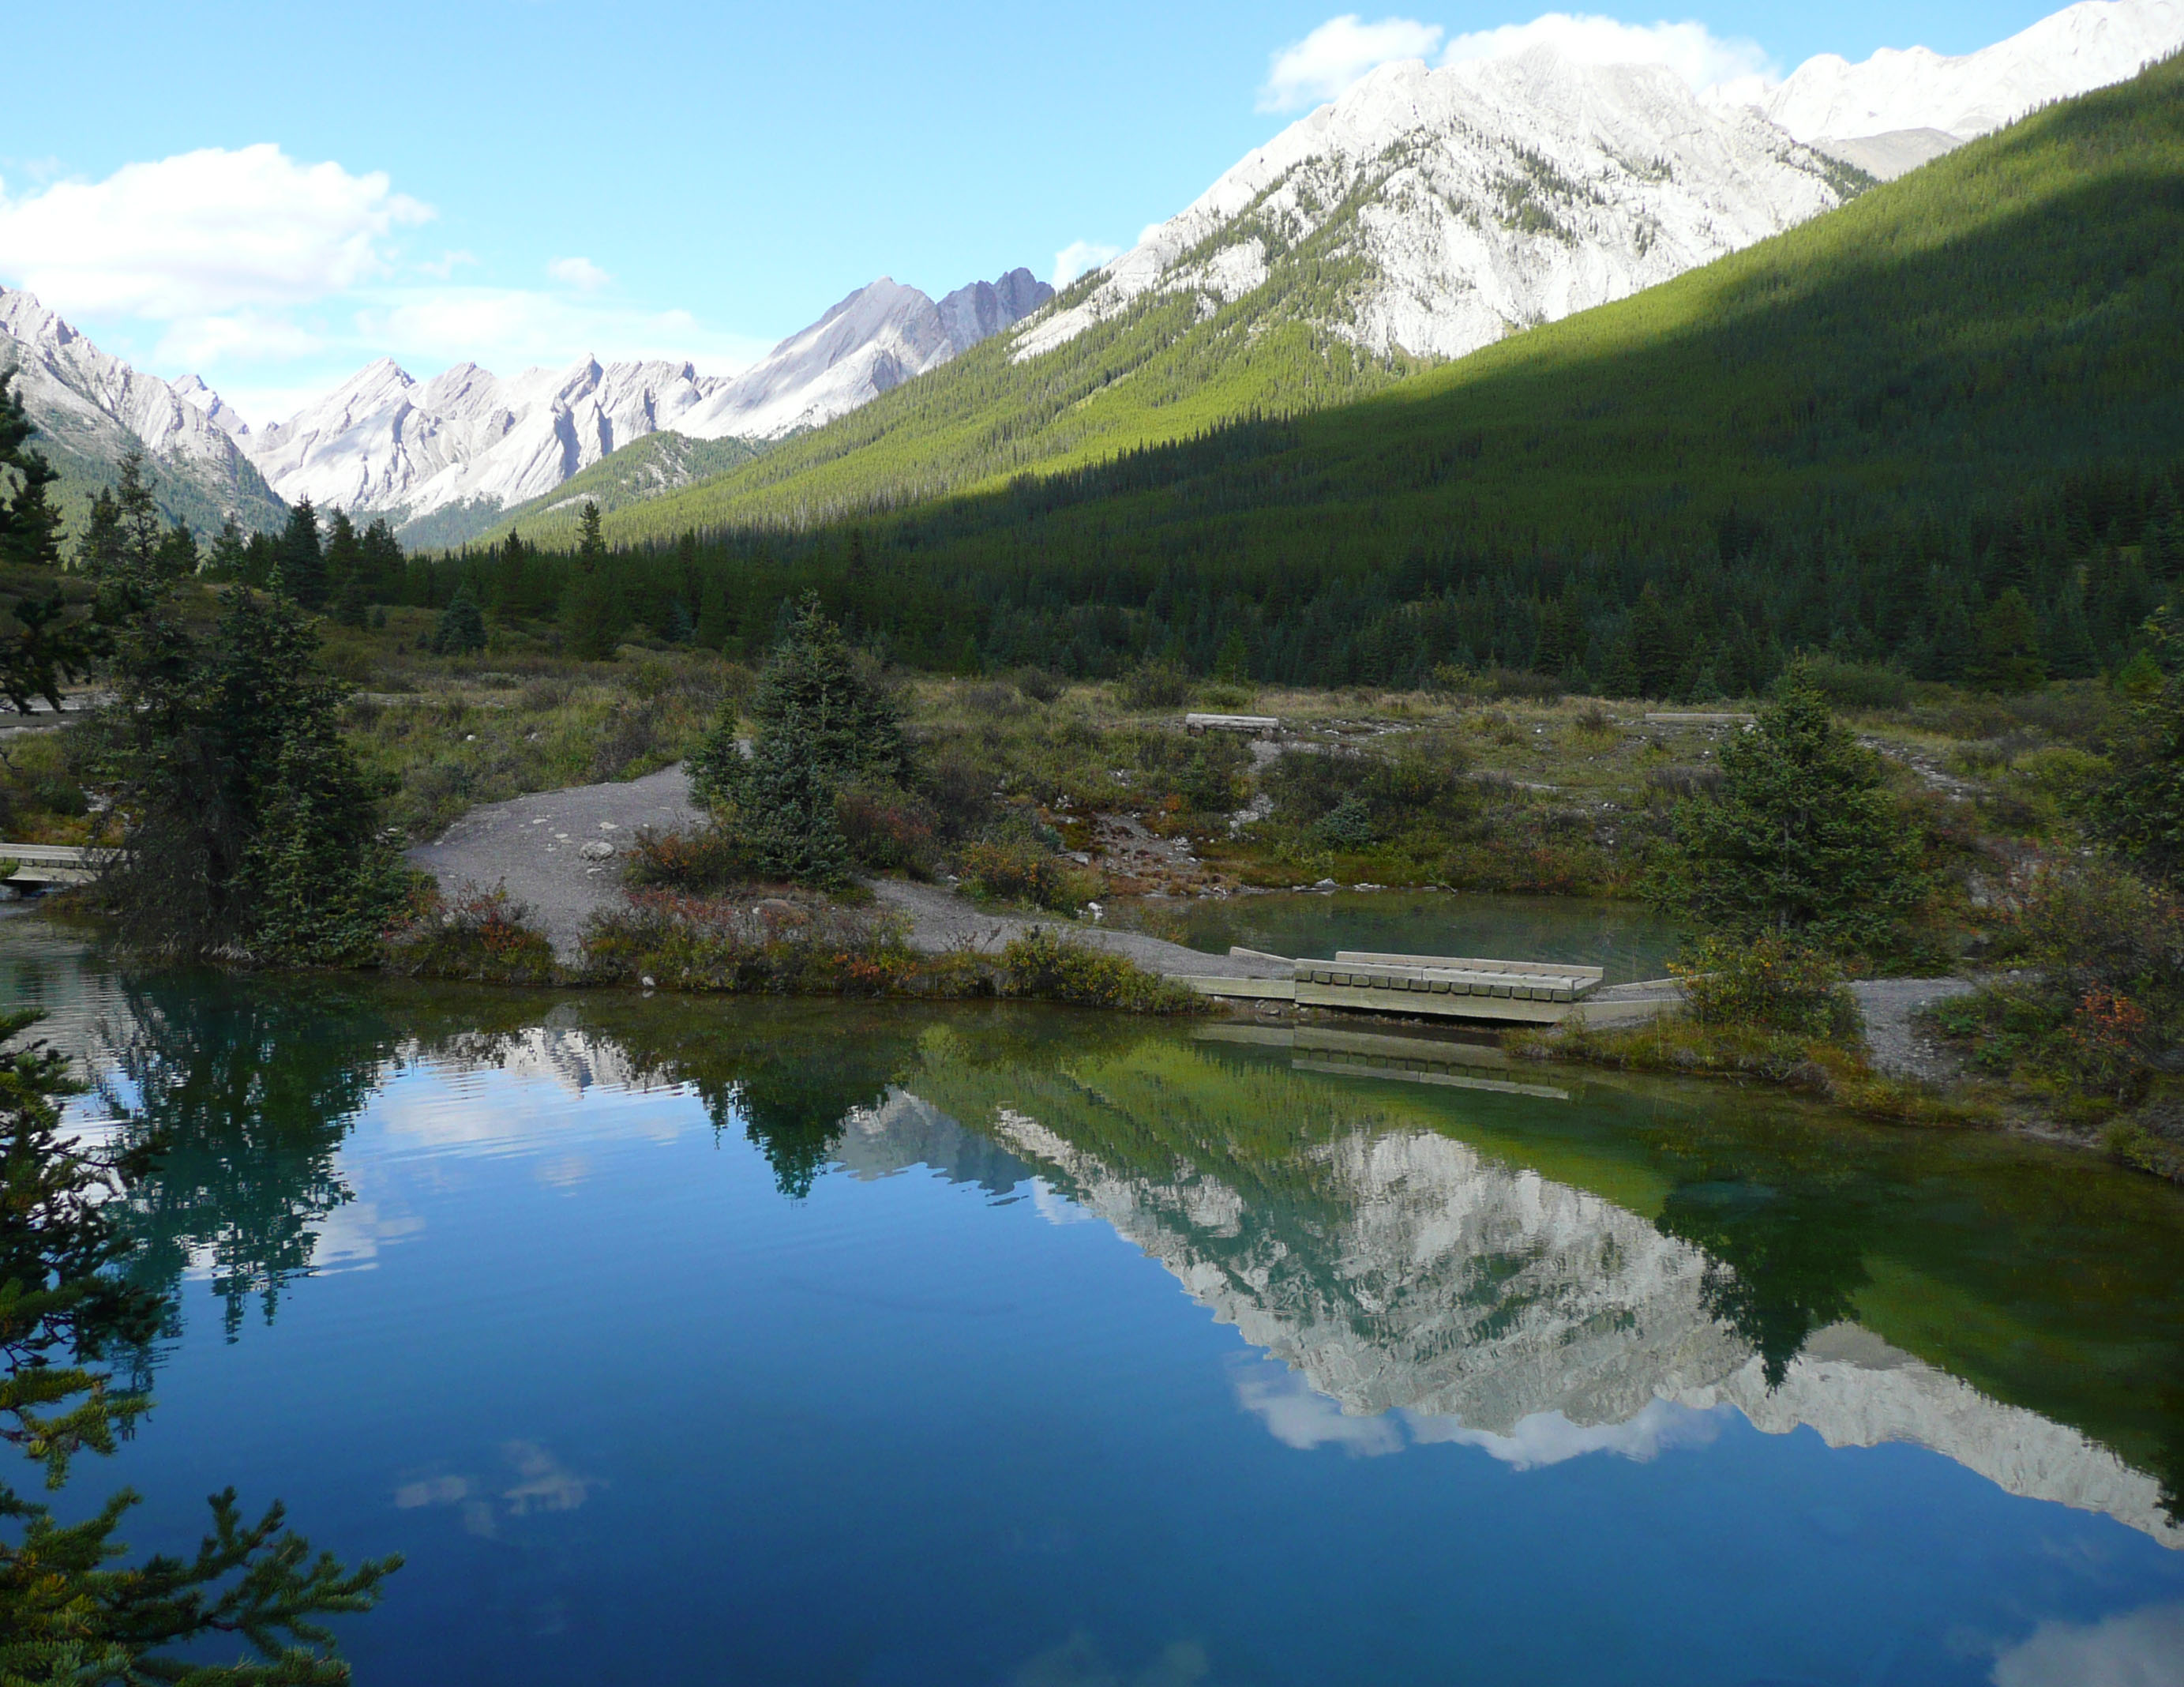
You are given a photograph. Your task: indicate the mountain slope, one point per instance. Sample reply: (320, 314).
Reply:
(445, 456)
(91, 407)
(1859, 431)
(1423, 215)
(1856, 436)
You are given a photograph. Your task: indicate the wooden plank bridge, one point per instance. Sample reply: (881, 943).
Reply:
(28, 868)
(1444, 987)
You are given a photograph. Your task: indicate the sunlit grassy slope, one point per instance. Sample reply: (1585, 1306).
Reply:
(2004, 316)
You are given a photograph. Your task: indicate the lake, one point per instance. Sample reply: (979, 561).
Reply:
(682, 1340)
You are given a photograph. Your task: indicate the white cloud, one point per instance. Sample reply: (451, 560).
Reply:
(203, 233)
(1548, 1438)
(1344, 50)
(238, 337)
(2141, 1648)
(1337, 53)
(1701, 58)
(506, 329)
(581, 273)
(1298, 1415)
(1079, 256)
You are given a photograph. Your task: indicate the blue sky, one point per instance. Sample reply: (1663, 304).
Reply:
(270, 194)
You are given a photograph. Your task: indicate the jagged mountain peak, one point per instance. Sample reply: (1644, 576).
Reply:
(90, 407)
(384, 441)
(1472, 200)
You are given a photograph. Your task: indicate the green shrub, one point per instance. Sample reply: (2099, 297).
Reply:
(1154, 685)
(1857, 685)
(2098, 1009)
(1023, 871)
(1043, 964)
(886, 827)
(700, 861)
(479, 934)
(1769, 983)
(776, 946)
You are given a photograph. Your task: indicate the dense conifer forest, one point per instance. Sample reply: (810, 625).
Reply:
(1942, 429)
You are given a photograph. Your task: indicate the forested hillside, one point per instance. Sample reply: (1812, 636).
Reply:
(1944, 426)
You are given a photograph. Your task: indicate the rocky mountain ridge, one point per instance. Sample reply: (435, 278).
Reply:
(90, 407)
(468, 440)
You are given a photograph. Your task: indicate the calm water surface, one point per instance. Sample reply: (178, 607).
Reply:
(1621, 937)
(693, 1342)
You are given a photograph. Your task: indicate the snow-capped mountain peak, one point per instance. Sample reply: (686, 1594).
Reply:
(1478, 199)
(2080, 48)
(92, 407)
(382, 441)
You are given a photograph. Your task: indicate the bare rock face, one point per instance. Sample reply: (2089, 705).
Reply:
(91, 407)
(1468, 202)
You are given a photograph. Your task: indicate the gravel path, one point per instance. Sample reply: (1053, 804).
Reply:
(1888, 1004)
(534, 845)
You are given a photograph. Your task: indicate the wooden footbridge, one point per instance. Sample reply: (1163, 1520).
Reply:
(1443, 987)
(28, 868)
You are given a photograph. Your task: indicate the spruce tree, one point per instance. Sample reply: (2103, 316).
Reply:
(2008, 653)
(379, 555)
(589, 613)
(250, 827)
(303, 561)
(461, 629)
(229, 552)
(49, 646)
(2140, 813)
(1802, 837)
(347, 589)
(822, 722)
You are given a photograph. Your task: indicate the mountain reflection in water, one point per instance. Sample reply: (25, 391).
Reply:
(1432, 1246)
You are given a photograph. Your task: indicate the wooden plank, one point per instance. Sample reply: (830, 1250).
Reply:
(1472, 963)
(1428, 1005)
(1243, 989)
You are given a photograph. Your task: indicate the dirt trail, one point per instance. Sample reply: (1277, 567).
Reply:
(560, 852)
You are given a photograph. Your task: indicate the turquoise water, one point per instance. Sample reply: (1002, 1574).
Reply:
(681, 1341)
(1624, 938)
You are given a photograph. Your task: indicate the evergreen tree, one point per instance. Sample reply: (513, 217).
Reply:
(1800, 838)
(30, 525)
(249, 828)
(303, 561)
(177, 556)
(229, 552)
(48, 645)
(379, 556)
(138, 512)
(461, 631)
(717, 618)
(588, 615)
(347, 589)
(99, 550)
(822, 722)
(2141, 811)
(2007, 658)
(1654, 644)
(1233, 662)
